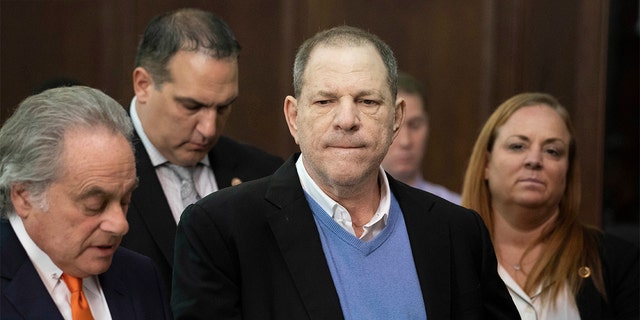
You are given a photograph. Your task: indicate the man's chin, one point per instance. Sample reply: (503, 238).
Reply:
(192, 158)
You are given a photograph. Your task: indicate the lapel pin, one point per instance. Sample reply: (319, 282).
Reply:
(584, 272)
(236, 181)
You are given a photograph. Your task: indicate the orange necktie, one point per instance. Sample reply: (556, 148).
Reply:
(79, 306)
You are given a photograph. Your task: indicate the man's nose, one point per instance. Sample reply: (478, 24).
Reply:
(115, 221)
(207, 122)
(346, 115)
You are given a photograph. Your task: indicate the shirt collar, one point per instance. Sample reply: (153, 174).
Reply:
(48, 271)
(330, 206)
(156, 157)
(513, 286)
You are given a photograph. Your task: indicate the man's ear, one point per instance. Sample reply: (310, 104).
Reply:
(142, 84)
(399, 116)
(21, 200)
(291, 115)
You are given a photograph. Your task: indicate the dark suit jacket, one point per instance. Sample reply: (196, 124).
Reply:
(254, 252)
(152, 227)
(621, 272)
(132, 285)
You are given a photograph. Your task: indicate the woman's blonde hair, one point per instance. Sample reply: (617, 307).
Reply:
(569, 245)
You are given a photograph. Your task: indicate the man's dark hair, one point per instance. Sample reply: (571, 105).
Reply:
(409, 84)
(186, 29)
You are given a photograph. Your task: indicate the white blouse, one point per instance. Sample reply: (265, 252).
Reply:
(532, 308)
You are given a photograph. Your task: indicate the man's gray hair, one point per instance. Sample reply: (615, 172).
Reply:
(339, 37)
(32, 139)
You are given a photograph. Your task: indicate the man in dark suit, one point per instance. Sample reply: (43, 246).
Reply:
(67, 171)
(330, 235)
(185, 81)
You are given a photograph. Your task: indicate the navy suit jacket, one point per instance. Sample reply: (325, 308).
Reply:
(253, 252)
(132, 285)
(152, 227)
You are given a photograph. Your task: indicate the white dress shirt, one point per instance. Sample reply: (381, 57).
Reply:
(203, 176)
(532, 308)
(50, 275)
(339, 213)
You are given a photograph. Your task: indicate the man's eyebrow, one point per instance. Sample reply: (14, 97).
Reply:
(323, 93)
(92, 192)
(187, 100)
(192, 101)
(97, 191)
(368, 93)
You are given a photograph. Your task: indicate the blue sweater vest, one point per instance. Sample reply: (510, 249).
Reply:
(375, 279)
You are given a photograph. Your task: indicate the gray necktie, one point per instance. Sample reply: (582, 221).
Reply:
(188, 191)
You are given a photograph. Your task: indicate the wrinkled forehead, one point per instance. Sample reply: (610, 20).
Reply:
(338, 55)
(97, 145)
(357, 63)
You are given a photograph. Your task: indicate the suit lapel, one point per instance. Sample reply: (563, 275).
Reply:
(30, 297)
(588, 301)
(153, 209)
(223, 163)
(430, 247)
(23, 287)
(120, 305)
(296, 234)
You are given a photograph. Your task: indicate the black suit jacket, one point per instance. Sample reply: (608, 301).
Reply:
(254, 252)
(151, 224)
(621, 273)
(132, 285)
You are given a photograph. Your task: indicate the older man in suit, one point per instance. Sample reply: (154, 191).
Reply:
(67, 171)
(185, 81)
(330, 235)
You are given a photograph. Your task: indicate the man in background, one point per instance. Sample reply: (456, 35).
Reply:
(404, 158)
(67, 172)
(185, 81)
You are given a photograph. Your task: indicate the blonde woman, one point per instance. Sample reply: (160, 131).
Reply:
(524, 180)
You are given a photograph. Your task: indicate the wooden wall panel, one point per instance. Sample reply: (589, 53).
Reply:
(34, 35)
(589, 98)
(471, 55)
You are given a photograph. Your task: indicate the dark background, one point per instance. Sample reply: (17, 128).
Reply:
(471, 56)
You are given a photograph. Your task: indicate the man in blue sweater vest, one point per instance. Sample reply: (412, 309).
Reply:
(330, 235)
